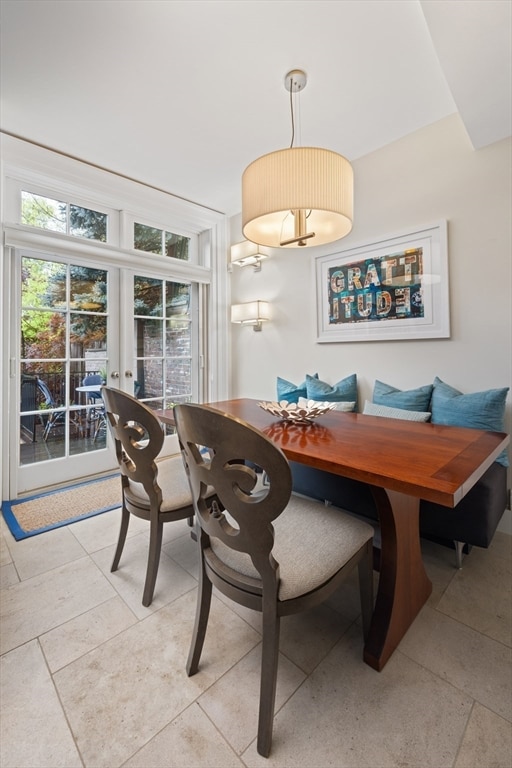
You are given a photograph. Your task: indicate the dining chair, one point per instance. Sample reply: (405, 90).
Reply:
(153, 488)
(259, 545)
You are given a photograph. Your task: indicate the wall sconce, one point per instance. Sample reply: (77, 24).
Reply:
(253, 313)
(247, 254)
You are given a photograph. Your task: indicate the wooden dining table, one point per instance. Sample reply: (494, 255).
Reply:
(402, 462)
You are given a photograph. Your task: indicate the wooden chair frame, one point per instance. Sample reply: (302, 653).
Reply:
(138, 438)
(235, 448)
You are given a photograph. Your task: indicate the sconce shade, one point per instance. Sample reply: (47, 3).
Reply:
(251, 313)
(246, 254)
(276, 187)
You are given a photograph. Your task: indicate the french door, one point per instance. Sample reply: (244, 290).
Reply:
(79, 321)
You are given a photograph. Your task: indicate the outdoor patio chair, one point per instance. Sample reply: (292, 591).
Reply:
(259, 545)
(95, 415)
(55, 418)
(153, 488)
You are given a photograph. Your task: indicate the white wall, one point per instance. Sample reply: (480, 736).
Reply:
(427, 176)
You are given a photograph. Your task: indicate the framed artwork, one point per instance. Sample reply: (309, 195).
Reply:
(392, 288)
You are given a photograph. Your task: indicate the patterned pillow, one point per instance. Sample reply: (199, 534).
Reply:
(290, 392)
(344, 391)
(342, 406)
(409, 399)
(478, 410)
(395, 413)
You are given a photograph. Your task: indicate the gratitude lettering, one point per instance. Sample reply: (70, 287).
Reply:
(385, 287)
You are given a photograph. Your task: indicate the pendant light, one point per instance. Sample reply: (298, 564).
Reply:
(298, 196)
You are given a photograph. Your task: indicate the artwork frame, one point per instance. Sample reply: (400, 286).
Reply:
(387, 289)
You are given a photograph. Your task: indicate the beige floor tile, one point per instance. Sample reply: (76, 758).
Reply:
(171, 582)
(346, 599)
(232, 702)
(5, 554)
(75, 638)
(480, 595)
(440, 566)
(190, 741)
(124, 692)
(101, 531)
(472, 662)
(347, 715)
(8, 576)
(45, 552)
(487, 742)
(501, 545)
(37, 605)
(33, 728)
(307, 637)
(175, 530)
(184, 550)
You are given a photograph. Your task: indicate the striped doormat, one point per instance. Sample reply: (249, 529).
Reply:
(37, 514)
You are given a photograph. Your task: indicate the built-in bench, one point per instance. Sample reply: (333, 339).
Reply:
(472, 522)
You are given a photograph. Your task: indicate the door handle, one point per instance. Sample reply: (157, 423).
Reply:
(114, 375)
(128, 374)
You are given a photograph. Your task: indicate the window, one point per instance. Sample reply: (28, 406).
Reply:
(59, 216)
(154, 240)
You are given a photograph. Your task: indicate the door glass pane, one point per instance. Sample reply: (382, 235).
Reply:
(43, 334)
(63, 340)
(43, 283)
(147, 296)
(88, 288)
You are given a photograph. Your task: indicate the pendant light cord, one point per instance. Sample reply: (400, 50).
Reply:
(292, 115)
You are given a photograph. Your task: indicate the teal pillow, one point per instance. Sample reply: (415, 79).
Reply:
(408, 399)
(290, 392)
(345, 391)
(372, 409)
(478, 410)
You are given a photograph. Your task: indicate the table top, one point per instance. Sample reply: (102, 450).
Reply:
(89, 388)
(431, 461)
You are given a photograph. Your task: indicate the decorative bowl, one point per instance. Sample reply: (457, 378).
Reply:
(297, 413)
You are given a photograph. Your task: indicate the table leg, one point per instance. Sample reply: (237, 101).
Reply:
(404, 586)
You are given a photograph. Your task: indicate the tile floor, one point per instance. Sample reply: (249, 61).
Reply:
(92, 678)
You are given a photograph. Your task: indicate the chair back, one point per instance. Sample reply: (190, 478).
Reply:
(45, 391)
(138, 438)
(90, 380)
(234, 450)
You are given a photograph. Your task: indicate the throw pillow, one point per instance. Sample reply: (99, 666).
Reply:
(409, 399)
(341, 406)
(344, 391)
(477, 410)
(395, 413)
(290, 392)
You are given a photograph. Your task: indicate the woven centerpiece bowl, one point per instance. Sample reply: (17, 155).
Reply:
(295, 413)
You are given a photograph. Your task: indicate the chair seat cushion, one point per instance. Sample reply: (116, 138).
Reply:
(173, 481)
(312, 542)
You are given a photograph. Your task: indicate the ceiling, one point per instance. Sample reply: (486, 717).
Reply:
(184, 94)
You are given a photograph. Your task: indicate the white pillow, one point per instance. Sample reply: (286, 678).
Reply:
(371, 409)
(303, 402)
